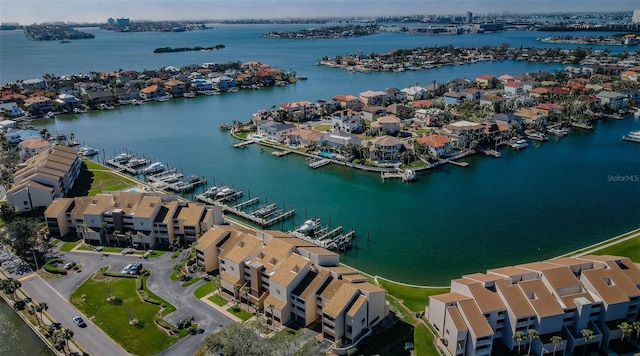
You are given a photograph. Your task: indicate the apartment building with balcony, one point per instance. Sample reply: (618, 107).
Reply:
(146, 219)
(44, 177)
(558, 297)
(294, 281)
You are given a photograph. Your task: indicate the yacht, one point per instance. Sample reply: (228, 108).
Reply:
(518, 143)
(122, 158)
(88, 151)
(211, 192)
(265, 210)
(154, 168)
(309, 226)
(633, 136)
(189, 95)
(225, 192)
(559, 132)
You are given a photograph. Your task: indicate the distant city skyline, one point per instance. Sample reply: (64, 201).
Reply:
(39, 11)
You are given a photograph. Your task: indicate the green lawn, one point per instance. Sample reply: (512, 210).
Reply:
(97, 178)
(240, 312)
(190, 282)
(203, 290)
(146, 338)
(68, 246)
(325, 127)
(218, 300)
(629, 248)
(414, 298)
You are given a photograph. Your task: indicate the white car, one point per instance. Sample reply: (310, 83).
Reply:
(78, 321)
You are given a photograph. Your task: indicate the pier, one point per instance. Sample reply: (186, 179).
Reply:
(335, 239)
(243, 144)
(404, 175)
(278, 215)
(582, 125)
(459, 164)
(319, 163)
(280, 153)
(492, 153)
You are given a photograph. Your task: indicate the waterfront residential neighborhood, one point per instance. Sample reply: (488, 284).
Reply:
(453, 183)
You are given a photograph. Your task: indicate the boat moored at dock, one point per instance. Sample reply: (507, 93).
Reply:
(518, 143)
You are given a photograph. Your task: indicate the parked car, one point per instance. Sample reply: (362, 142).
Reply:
(126, 269)
(78, 321)
(69, 265)
(135, 268)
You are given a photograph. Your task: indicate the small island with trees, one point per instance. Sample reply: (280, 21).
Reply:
(326, 32)
(186, 49)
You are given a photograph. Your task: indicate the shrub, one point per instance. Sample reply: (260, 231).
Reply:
(165, 324)
(51, 267)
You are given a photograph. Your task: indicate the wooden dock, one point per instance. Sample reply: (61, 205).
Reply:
(243, 144)
(582, 125)
(280, 153)
(400, 174)
(319, 163)
(262, 222)
(332, 240)
(122, 167)
(492, 153)
(459, 164)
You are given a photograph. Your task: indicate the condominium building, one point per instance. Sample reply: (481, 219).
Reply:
(144, 219)
(559, 297)
(293, 281)
(42, 178)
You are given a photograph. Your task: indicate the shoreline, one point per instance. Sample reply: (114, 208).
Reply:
(587, 249)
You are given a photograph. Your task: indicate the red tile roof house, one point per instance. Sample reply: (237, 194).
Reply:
(440, 146)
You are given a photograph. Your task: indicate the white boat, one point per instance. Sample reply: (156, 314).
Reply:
(50, 115)
(123, 157)
(308, 226)
(560, 132)
(225, 192)
(409, 174)
(88, 151)
(636, 113)
(211, 192)
(189, 95)
(154, 168)
(518, 143)
(633, 136)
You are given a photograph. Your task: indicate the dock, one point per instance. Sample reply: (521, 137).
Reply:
(214, 201)
(582, 125)
(280, 153)
(319, 163)
(492, 153)
(332, 240)
(404, 175)
(459, 164)
(243, 144)
(122, 167)
(278, 215)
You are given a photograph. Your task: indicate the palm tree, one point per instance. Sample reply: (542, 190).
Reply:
(115, 234)
(255, 308)
(625, 328)
(216, 283)
(128, 235)
(532, 334)
(245, 291)
(236, 289)
(519, 337)
(636, 327)
(270, 309)
(66, 335)
(557, 341)
(42, 307)
(83, 229)
(587, 334)
(140, 236)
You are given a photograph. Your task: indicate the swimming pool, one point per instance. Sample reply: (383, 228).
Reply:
(327, 154)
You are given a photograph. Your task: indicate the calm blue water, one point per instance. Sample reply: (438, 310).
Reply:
(527, 205)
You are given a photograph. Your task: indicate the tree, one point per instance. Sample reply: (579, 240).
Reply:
(128, 235)
(245, 291)
(557, 341)
(626, 328)
(63, 336)
(10, 286)
(636, 327)
(217, 284)
(519, 337)
(236, 339)
(587, 334)
(270, 310)
(236, 289)
(41, 308)
(532, 334)
(115, 234)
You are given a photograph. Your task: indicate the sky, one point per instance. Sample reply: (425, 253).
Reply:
(37, 11)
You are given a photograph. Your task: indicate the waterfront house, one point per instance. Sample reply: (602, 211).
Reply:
(6, 125)
(44, 177)
(453, 98)
(38, 105)
(370, 113)
(100, 97)
(488, 99)
(422, 104)
(435, 89)
(209, 244)
(176, 88)
(486, 81)
(7, 96)
(505, 78)
(224, 82)
(529, 84)
(439, 145)
(152, 92)
(275, 131)
(33, 85)
(415, 92)
(385, 149)
(388, 125)
(323, 107)
(550, 108)
(68, 101)
(539, 92)
(303, 137)
(127, 94)
(33, 146)
(462, 133)
(338, 139)
(201, 85)
(612, 99)
(532, 116)
(348, 102)
(11, 110)
(513, 88)
(15, 136)
(557, 297)
(371, 97)
(346, 120)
